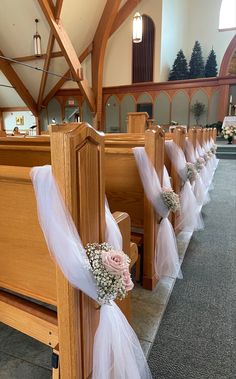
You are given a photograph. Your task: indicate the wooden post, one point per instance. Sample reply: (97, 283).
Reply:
(214, 134)
(179, 136)
(192, 135)
(77, 160)
(154, 146)
(200, 136)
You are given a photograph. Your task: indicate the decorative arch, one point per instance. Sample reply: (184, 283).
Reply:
(202, 97)
(162, 108)
(212, 114)
(143, 53)
(86, 113)
(145, 104)
(180, 108)
(144, 98)
(112, 115)
(54, 111)
(231, 49)
(127, 105)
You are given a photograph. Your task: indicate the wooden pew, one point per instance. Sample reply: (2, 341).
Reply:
(178, 136)
(26, 268)
(200, 136)
(25, 152)
(125, 191)
(192, 135)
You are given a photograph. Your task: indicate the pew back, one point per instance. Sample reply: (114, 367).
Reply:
(77, 153)
(124, 190)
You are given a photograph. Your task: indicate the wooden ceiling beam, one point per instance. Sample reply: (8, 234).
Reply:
(123, 13)
(60, 83)
(69, 52)
(19, 86)
(121, 16)
(51, 40)
(55, 54)
(99, 47)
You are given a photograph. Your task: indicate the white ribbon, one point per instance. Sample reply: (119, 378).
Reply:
(199, 189)
(117, 352)
(190, 218)
(166, 261)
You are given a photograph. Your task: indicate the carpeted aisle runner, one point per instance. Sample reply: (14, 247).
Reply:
(197, 336)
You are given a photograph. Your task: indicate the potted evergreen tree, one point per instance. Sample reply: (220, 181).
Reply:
(179, 69)
(196, 63)
(211, 65)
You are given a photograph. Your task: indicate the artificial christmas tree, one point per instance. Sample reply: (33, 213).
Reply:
(179, 69)
(211, 65)
(196, 64)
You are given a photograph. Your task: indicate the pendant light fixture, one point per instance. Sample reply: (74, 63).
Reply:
(137, 28)
(37, 41)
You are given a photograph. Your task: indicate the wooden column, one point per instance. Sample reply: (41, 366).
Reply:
(77, 153)
(154, 146)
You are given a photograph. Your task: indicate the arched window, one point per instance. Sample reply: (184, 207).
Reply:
(143, 53)
(227, 15)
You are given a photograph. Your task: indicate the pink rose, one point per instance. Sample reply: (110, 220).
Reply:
(116, 262)
(127, 281)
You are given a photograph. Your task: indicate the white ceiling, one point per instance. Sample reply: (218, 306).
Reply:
(17, 27)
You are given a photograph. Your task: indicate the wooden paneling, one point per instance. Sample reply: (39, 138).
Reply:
(28, 252)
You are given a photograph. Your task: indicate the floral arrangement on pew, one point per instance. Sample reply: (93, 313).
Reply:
(210, 154)
(191, 172)
(110, 269)
(199, 164)
(213, 148)
(206, 157)
(171, 199)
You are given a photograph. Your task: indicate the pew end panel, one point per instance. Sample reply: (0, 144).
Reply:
(214, 134)
(77, 161)
(200, 136)
(192, 135)
(125, 190)
(77, 154)
(123, 221)
(178, 136)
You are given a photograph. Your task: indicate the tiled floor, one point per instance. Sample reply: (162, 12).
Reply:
(22, 357)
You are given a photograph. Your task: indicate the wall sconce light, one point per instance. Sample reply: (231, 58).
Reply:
(37, 41)
(137, 28)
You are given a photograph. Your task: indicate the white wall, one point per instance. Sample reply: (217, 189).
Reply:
(173, 33)
(9, 119)
(203, 26)
(118, 57)
(178, 23)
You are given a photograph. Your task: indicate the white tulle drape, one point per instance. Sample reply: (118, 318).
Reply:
(117, 352)
(112, 233)
(207, 172)
(166, 253)
(190, 217)
(199, 189)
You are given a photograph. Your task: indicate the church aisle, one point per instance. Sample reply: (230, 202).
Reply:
(197, 336)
